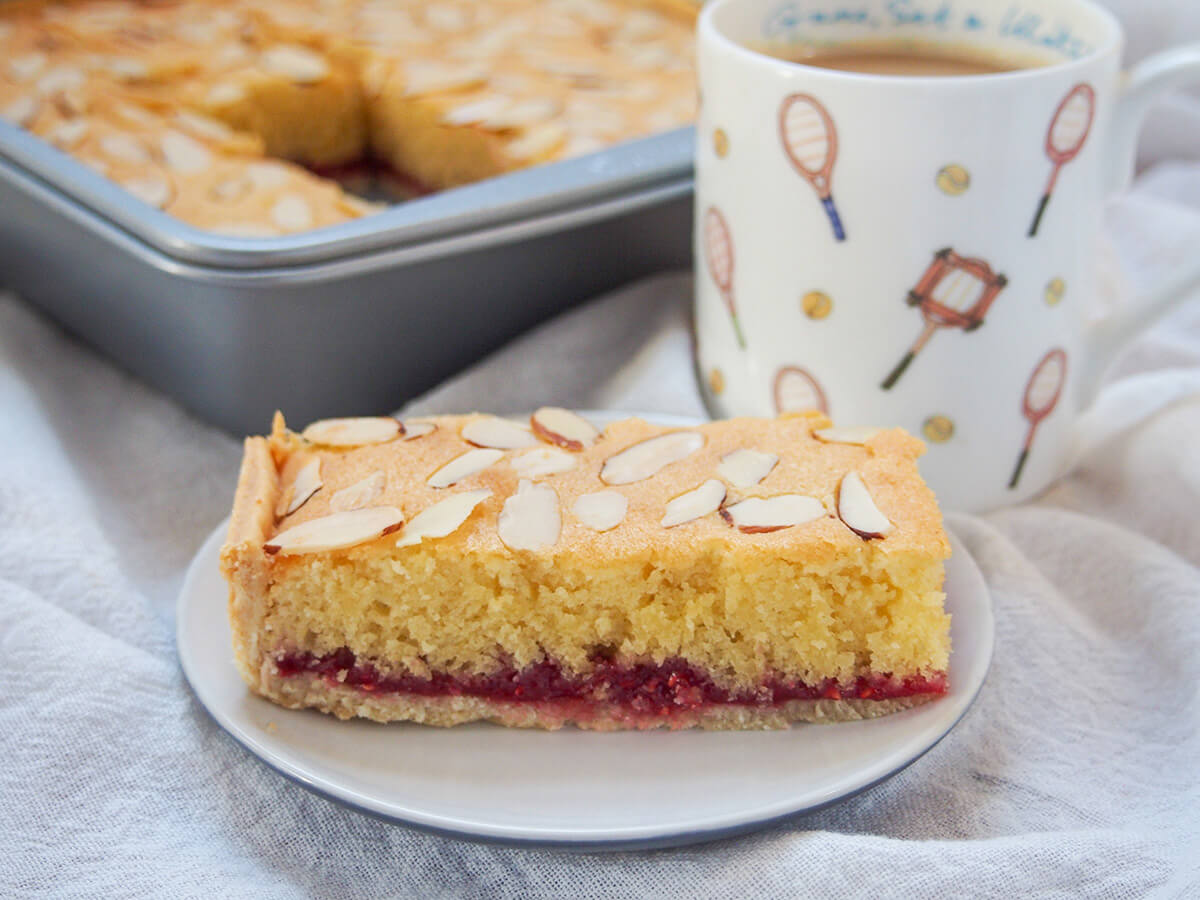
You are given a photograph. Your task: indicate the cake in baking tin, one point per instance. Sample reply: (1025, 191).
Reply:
(222, 112)
(748, 573)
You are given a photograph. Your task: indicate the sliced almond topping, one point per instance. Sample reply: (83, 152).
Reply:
(151, 190)
(297, 63)
(647, 458)
(425, 77)
(361, 493)
(69, 133)
(353, 432)
(563, 427)
(475, 111)
(538, 142)
(231, 190)
(746, 468)
(21, 111)
(22, 68)
(851, 434)
(530, 519)
(858, 510)
(225, 93)
(127, 69)
(757, 515)
(268, 175)
(414, 430)
(695, 503)
(124, 148)
(307, 483)
(204, 126)
(501, 434)
(442, 518)
(336, 530)
(184, 154)
(543, 461)
(601, 511)
(523, 114)
(61, 79)
(463, 466)
(447, 18)
(136, 115)
(291, 212)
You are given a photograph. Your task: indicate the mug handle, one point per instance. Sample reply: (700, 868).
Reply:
(1143, 84)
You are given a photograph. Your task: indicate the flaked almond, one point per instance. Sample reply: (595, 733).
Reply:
(426, 77)
(69, 133)
(538, 142)
(694, 504)
(530, 519)
(268, 175)
(464, 466)
(757, 515)
(204, 126)
(291, 212)
(522, 114)
(445, 17)
(24, 67)
(541, 462)
(442, 518)
(225, 93)
(563, 427)
(296, 63)
(150, 189)
(127, 68)
(353, 432)
(602, 510)
(475, 111)
(360, 494)
(745, 468)
(336, 531)
(56, 81)
(124, 148)
(231, 190)
(498, 433)
(857, 509)
(306, 483)
(184, 154)
(647, 458)
(21, 111)
(850, 434)
(414, 430)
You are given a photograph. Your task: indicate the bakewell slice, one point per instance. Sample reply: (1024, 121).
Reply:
(739, 574)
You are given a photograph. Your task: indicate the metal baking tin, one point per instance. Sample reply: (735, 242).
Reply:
(356, 318)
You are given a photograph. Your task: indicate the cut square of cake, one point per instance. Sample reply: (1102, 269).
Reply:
(747, 573)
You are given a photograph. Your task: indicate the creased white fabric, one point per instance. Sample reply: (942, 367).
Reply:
(1076, 774)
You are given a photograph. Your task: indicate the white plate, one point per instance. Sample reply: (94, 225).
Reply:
(575, 788)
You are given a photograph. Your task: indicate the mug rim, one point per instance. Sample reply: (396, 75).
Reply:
(707, 31)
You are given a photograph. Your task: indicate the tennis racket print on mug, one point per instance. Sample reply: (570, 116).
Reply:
(1005, 172)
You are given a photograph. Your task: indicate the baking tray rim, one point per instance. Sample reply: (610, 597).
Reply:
(525, 202)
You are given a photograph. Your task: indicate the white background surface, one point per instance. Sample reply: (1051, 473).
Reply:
(1074, 775)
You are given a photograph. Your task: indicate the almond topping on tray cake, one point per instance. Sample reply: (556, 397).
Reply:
(182, 103)
(539, 572)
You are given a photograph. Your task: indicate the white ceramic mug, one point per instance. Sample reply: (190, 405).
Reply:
(917, 251)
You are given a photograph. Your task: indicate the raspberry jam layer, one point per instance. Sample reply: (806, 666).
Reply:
(647, 688)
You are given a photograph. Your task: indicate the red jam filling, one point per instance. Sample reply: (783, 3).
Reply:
(646, 688)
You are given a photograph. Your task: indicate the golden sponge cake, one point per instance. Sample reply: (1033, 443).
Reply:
(740, 574)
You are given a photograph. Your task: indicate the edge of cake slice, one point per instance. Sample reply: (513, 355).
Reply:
(747, 573)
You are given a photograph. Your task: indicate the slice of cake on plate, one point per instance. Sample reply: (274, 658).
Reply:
(747, 573)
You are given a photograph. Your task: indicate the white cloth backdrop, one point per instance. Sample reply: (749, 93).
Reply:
(1077, 773)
